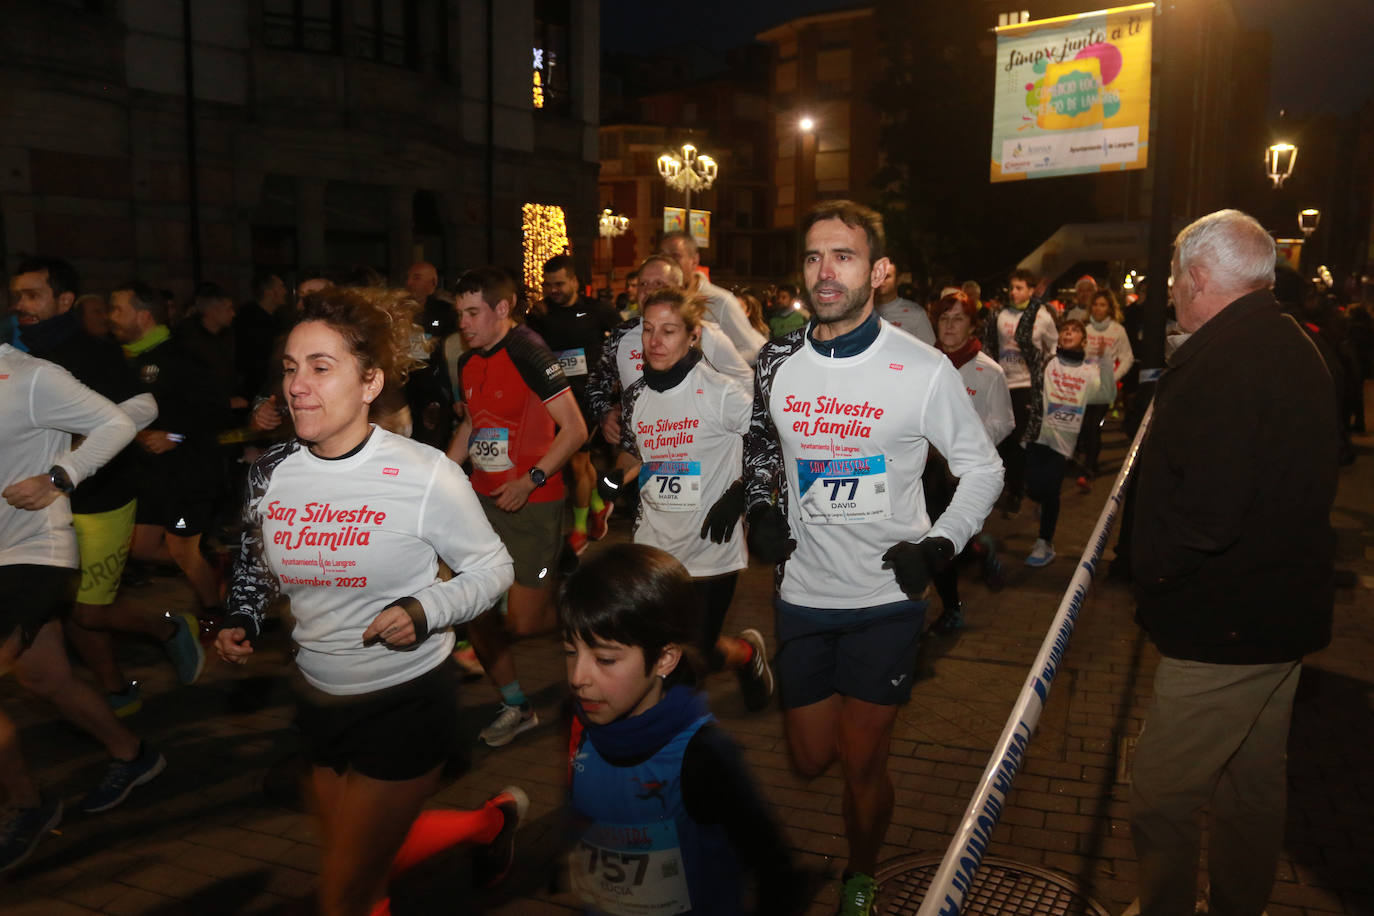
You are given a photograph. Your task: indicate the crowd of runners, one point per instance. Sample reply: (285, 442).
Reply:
(414, 475)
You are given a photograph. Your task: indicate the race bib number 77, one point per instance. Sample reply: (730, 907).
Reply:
(844, 491)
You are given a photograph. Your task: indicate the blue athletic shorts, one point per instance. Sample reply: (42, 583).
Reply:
(868, 654)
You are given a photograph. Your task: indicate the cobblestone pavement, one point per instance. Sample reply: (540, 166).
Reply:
(206, 838)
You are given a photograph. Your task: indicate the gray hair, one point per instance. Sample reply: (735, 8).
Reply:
(1233, 246)
(675, 277)
(971, 288)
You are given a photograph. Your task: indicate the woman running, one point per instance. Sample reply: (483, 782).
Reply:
(349, 522)
(1108, 342)
(682, 434)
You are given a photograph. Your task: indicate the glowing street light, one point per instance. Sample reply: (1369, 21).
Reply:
(807, 123)
(1279, 161)
(691, 171)
(613, 224)
(1308, 220)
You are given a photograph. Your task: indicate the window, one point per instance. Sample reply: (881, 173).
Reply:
(551, 75)
(303, 25)
(385, 31)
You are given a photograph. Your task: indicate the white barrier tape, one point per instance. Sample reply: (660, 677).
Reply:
(955, 875)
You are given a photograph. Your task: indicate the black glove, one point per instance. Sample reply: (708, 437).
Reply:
(609, 486)
(769, 538)
(914, 564)
(720, 520)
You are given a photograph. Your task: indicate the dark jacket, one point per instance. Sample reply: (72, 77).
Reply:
(1233, 549)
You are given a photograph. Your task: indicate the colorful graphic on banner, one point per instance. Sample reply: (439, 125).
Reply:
(701, 224)
(1073, 94)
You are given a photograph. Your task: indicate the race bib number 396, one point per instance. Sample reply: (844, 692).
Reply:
(844, 491)
(631, 870)
(490, 449)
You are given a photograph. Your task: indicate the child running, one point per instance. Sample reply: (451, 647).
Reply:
(670, 820)
(1071, 382)
(1108, 342)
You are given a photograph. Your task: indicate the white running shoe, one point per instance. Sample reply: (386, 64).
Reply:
(1042, 554)
(511, 722)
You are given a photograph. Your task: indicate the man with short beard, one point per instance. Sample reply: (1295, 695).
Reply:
(844, 414)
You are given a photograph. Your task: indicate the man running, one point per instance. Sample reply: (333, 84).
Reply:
(575, 329)
(844, 413)
(721, 305)
(41, 408)
(522, 424)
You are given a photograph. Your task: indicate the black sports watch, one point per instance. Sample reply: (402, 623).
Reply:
(538, 477)
(59, 478)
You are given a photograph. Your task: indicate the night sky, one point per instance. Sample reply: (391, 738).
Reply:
(1320, 57)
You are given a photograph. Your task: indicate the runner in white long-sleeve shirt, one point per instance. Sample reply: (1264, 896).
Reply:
(721, 305)
(844, 412)
(350, 522)
(1107, 342)
(41, 407)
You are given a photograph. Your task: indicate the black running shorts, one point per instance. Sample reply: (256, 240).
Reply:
(867, 654)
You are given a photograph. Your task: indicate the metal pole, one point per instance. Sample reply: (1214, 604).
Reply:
(192, 162)
(1161, 203)
(954, 878)
(687, 222)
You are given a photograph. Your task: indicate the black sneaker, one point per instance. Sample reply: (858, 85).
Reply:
(21, 829)
(491, 863)
(756, 678)
(122, 777)
(1012, 507)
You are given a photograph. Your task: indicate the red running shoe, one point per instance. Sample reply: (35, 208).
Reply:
(1085, 484)
(598, 522)
(577, 542)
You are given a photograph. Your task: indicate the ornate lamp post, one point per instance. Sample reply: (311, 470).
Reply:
(1308, 220)
(1279, 161)
(688, 172)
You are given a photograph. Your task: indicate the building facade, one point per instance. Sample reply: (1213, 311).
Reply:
(316, 134)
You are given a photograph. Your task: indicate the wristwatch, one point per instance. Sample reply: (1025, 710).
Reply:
(59, 478)
(538, 477)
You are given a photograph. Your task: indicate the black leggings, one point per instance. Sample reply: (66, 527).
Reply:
(714, 595)
(1013, 455)
(1044, 477)
(1090, 435)
(939, 490)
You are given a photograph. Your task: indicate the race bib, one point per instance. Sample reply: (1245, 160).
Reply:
(844, 491)
(490, 449)
(574, 362)
(1064, 416)
(671, 486)
(631, 870)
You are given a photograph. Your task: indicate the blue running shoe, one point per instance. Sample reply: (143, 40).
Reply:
(122, 777)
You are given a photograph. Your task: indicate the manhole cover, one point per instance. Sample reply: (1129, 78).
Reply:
(1001, 886)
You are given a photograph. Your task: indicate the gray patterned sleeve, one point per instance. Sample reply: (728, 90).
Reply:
(252, 585)
(605, 378)
(629, 442)
(762, 451)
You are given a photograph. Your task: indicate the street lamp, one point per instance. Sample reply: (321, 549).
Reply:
(807, 123)
(612, 224)
(1278, 162)
(689, 172)
(1308, 220)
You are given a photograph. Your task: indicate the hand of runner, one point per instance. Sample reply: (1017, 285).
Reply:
(392, 626)
(32, 493)
(266, 416)
(610, 425)
(769, 537)
(155, 441)
(722, 517)
(914, 564)
(232, 645)
(513, 494)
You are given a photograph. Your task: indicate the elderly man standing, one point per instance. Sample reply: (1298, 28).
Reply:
(1233, 555)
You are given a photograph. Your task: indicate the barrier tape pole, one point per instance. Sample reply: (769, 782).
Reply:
(955, 875)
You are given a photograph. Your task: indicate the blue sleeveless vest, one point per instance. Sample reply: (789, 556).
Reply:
(640, 853)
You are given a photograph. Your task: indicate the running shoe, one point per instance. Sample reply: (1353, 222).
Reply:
(184, 648)
(1042, 554)
(598, 522)
(21, 829)
(577, 542)
(1012, 507)
(952, 620)
(1085, 483)
(756, 678)
(491, 863)
(858, 896)
(470, 667)
(512, 722)
(122, 777)
(127, 702)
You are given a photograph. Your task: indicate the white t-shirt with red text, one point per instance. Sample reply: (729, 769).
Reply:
(1044, 335)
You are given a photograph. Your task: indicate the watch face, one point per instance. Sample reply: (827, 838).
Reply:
(537, 476)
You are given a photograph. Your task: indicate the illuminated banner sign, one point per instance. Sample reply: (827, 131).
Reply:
(1073, 94)
(673, 218)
